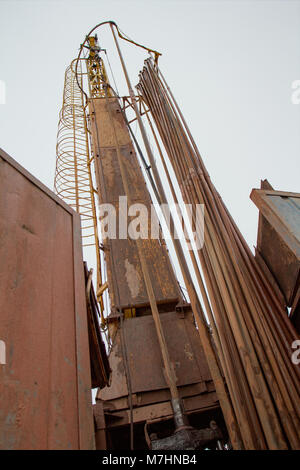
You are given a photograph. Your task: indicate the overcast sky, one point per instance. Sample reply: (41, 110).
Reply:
(230, 64)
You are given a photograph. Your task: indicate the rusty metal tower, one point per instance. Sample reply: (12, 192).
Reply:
(181, 378)
(159, 371)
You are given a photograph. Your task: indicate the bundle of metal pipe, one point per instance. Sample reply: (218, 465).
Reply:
(247, 316)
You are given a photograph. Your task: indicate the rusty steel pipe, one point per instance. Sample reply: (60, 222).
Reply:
(226, 406)
(244, 290)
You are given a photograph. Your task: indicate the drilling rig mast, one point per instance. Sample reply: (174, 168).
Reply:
(181, 378)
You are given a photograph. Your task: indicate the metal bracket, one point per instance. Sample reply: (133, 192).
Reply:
(187, 438)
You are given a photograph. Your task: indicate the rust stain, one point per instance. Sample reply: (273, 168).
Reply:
(188, 352)
(19, 414)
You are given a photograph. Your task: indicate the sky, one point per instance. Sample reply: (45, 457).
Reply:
(230, 64)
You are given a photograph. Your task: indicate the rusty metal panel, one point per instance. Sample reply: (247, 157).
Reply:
(100, 369)
(45, 384)
(157, 396)
(121, 254)
(278, 240)
(145, 363)
(161, 410)
(100, 434)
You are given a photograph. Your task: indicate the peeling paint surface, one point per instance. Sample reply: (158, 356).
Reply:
(41, 399)
(2, 352)
(133, 279)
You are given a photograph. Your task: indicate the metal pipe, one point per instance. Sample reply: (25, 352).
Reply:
(243, 290)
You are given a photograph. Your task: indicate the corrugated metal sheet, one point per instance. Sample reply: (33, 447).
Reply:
(45, 382)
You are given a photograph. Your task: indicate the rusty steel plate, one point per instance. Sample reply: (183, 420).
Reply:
(144, 357)
(45, 381)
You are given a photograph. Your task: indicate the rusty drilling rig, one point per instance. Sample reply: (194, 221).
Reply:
(208, 365)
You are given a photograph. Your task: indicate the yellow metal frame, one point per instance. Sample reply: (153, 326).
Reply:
(97, 76)
(73, 175)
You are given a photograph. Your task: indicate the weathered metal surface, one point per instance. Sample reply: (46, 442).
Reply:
(100, 369)
(45, 384)
(157, 396)
(188, 438)
(192, 405)
(147, 344)
(145, 363)
(252, 335)
(278, 240)
(122, 254)
(100, 435)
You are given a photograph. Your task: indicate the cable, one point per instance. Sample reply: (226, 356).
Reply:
(156, 53)
(115, 84)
